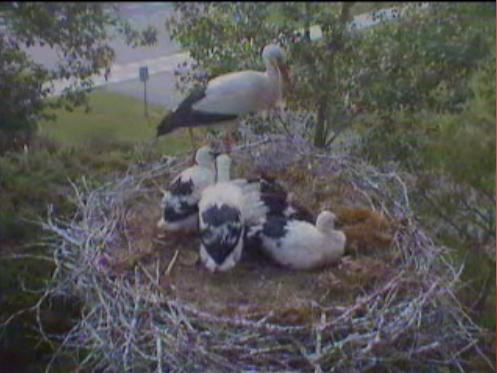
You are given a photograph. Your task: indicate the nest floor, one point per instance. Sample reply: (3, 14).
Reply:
(257, 285)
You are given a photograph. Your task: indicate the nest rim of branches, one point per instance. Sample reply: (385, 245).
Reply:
(410, 321)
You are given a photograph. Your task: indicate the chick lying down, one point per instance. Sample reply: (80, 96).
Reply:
(298, 244)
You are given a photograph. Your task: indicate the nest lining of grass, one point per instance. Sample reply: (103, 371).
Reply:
(149, 309)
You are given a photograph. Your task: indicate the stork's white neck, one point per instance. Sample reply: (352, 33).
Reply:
(274, 74)
(204, 157)
(206, 162)
(223, 165)
(325, 222)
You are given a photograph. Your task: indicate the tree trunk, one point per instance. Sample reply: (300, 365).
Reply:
(323, 112)
(337, 41)
(345, 15)
(307, 21)
(321, 130)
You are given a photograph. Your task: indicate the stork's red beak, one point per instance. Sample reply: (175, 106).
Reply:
(285, 73)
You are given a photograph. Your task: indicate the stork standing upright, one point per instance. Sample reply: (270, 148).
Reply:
(228, 97)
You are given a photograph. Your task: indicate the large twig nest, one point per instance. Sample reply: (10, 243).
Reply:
(149, 308)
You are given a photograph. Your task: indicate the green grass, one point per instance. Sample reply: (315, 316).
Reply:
(113, 118)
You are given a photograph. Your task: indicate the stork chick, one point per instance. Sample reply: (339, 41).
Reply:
(299, 244)
(180, 202)
(224, 209)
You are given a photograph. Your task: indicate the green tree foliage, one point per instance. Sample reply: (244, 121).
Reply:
(463, 149)
(446, 44)
(430, 81)
(324, 70)
(224, 37)
(465, 144)
(79, 32)
(420, 64)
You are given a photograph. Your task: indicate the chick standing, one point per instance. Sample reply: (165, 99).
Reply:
(222, 220)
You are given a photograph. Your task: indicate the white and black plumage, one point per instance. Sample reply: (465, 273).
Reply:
(221, 227)
(224, 210)
(299, 244)
(228, 97)
(180, 202)
(278, 202)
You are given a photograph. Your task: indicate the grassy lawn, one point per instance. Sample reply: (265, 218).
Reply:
(114, 118)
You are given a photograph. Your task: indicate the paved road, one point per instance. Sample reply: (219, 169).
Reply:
(124, 80)
(160, 89)
(139, 15)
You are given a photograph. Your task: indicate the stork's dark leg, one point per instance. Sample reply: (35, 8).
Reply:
(192, 139)
(229, 140)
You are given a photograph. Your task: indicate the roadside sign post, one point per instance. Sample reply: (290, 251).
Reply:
(144, 78)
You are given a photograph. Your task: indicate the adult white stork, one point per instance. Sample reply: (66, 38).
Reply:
(228, 97)
(180, 202)
(299, 244)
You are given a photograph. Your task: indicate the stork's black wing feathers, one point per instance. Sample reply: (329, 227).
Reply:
(186, 116)
(180, 187)
(175, 213)
(270, 185)
(272, 194)
(219, 215)
(195, 95)
(277, 204)
(275, 227)
(179, 207)
(222, 232)
(301, 213)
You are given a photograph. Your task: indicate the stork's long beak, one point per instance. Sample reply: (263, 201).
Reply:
(285, 73)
